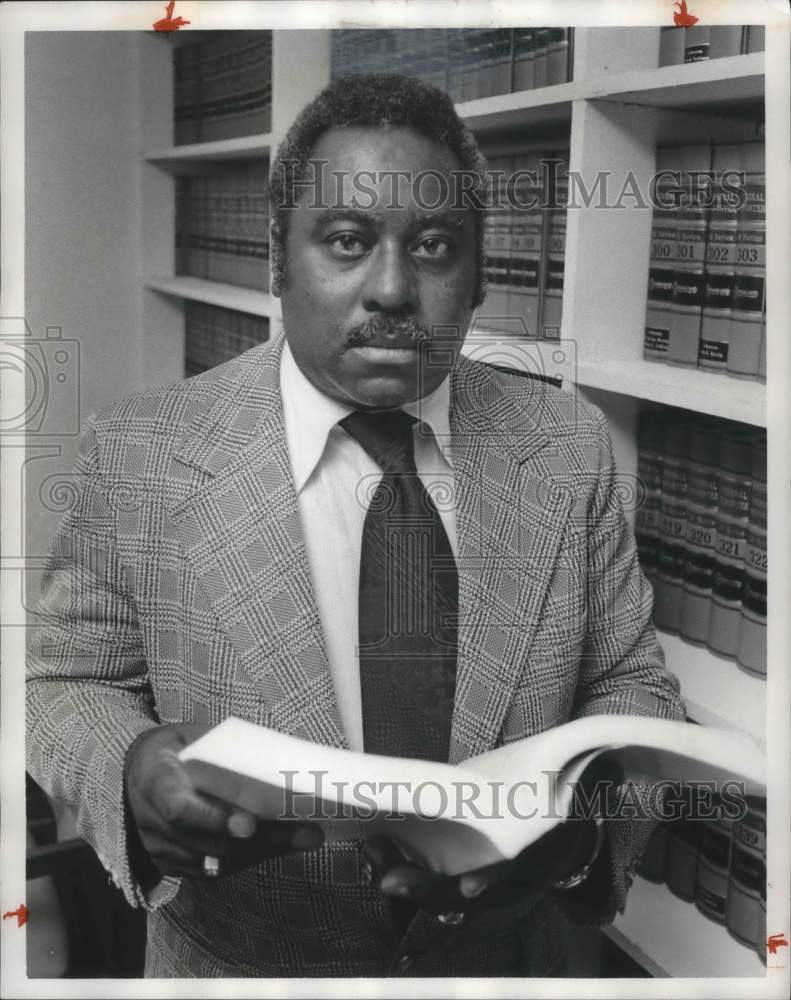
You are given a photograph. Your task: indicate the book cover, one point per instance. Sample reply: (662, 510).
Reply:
(656, 336)
(720, 273)
(352, 795)
(732, 522)
(701, 529)
(744, 346)
(686, 300)
(671, 554)
(751, 652)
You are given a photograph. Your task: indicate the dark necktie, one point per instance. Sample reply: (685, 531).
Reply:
(408, 601)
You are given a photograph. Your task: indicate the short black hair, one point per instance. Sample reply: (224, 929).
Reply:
(374, 100)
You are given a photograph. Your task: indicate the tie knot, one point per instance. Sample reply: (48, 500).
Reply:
(386, 435)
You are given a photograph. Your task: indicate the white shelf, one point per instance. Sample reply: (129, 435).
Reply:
(247, 147)
(670, 937)
(718, 81)
(716, 691)
(216, 293)
(712, 393)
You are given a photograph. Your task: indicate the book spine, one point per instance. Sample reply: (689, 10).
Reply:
(487, 45)
(456, 63)
(649, 474)
(697, 43)
(686, 300)
(524, 59)
(726, 40)
(682, 854)
(495, 236)
(701, 531)
(656, 337)
(528, 242)
(732, 522)
(503, 60)
(668, 586)
(671, 46)
(540, 67)
(749, 287)
(654, 860)
(762, 352)
(711, 873)
(557, 56)
(751, 653)
(551, 304)
(756, 38)
(720, 275)
(186, 60)
(747, 878)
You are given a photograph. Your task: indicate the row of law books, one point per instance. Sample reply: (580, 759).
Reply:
(720, 866)
(701, 530)
(213, 335)
(525, 244)
(222, 86)
(468, 63)
(706, 279)
(222, 226)
(702, 42)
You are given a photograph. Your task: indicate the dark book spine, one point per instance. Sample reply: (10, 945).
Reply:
(701, 531)
(751, 653)
(668, 586)
(749, 288)
(503, 42)
(747, 879)
(711, 873)
(542, 52)
(720, 276)
(682, 856)
(551, 304)
(732, 523)
(656, 337)
(690, 252)
(756, 38)
(527, 245)
(557, 56)
(654, 859)
(649, 474)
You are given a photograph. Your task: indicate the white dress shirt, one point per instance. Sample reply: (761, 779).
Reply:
(335, 479)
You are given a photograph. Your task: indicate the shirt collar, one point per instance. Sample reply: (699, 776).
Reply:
(310, 417)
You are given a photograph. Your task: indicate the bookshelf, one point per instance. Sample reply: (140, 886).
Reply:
(616, 108)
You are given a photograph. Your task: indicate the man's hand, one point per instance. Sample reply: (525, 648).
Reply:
(178, 826)
(561, 852)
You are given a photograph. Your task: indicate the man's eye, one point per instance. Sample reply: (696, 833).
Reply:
(433, 247)
(347, 244)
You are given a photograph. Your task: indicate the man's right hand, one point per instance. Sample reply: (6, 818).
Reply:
(178, 826)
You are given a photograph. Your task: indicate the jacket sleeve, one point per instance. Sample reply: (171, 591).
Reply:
(87, 692)
(622, 671)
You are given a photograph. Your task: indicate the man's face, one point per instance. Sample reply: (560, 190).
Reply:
(371, 281)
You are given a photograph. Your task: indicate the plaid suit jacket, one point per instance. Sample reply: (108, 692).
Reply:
(178, 590)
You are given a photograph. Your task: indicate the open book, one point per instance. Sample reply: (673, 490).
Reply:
(455, 818)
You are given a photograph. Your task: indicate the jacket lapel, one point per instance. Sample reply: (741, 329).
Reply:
(241, 533)
(510, 523)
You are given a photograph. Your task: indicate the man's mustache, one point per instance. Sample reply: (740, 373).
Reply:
(381, 329)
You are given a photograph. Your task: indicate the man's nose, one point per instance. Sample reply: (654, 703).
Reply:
(390, 285)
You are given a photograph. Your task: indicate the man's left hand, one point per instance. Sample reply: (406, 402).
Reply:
(561, 852)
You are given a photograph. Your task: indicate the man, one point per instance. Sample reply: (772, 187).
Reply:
(221, 559)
